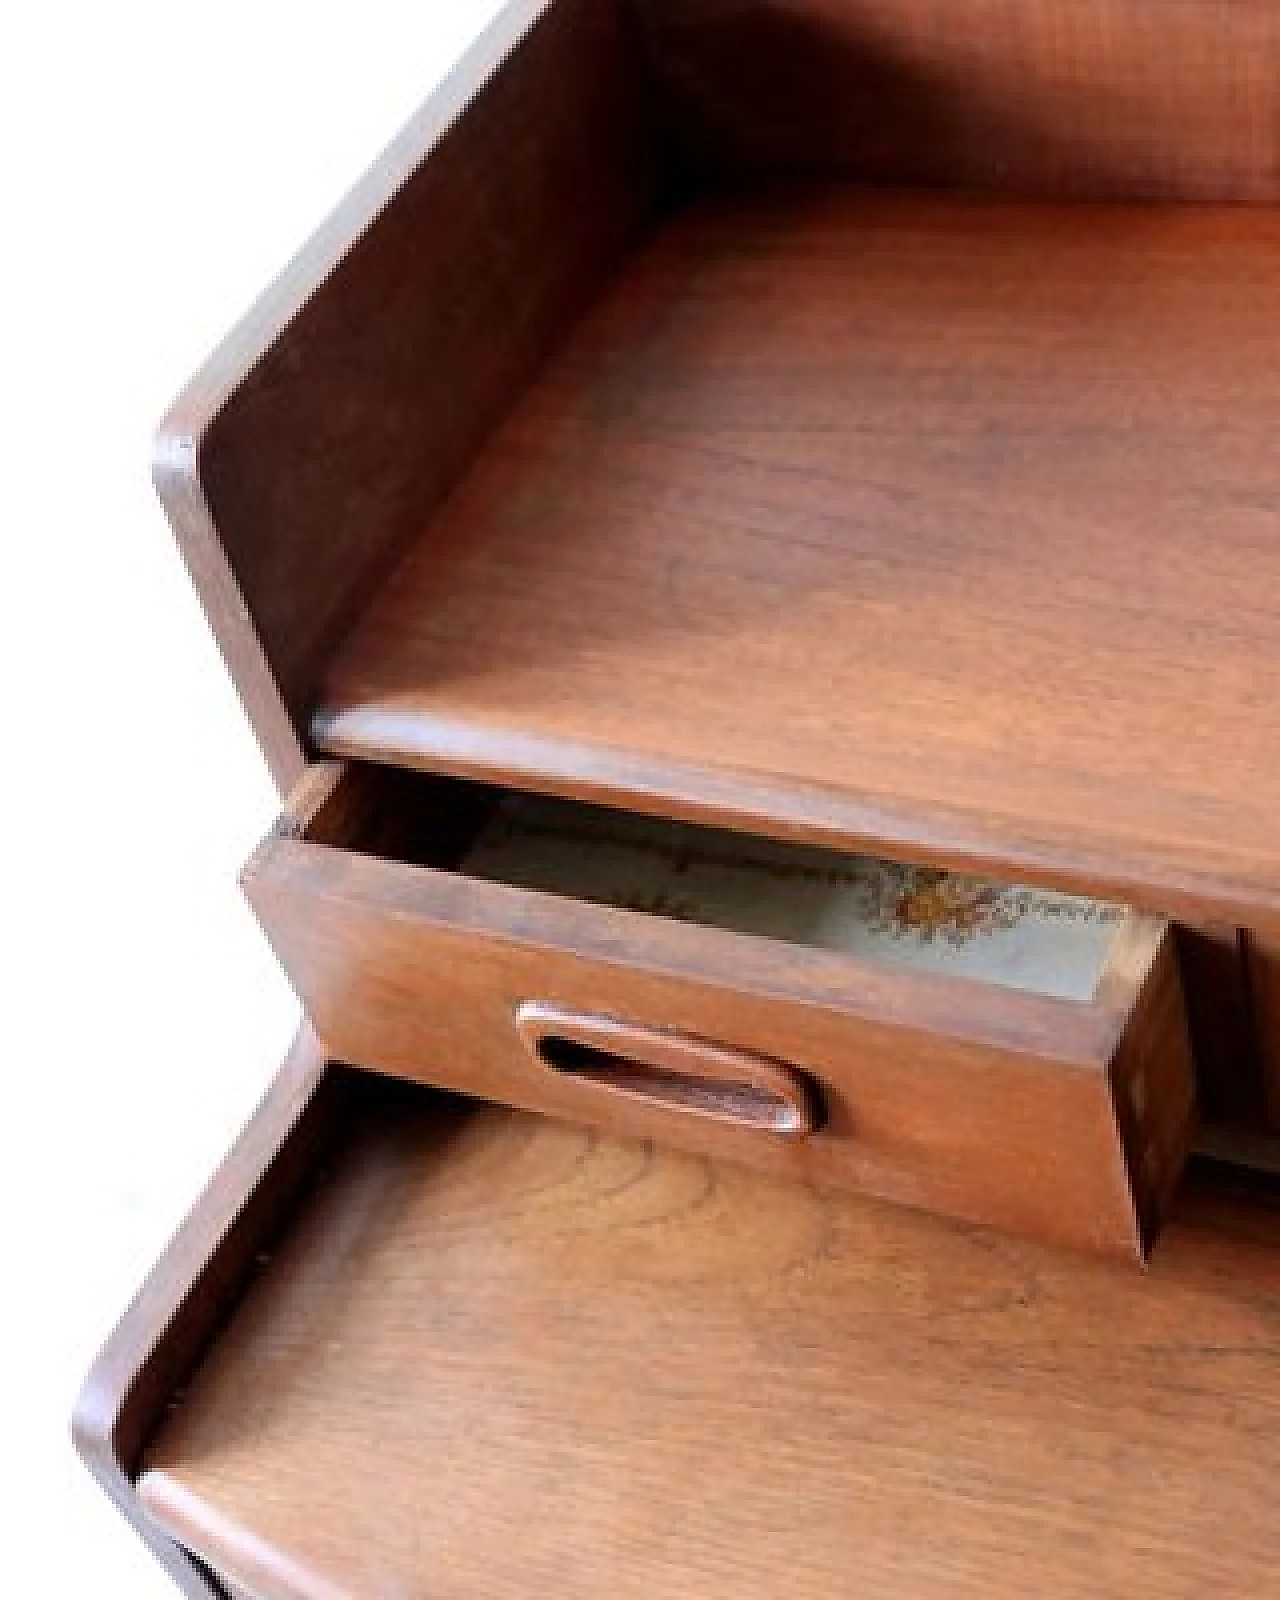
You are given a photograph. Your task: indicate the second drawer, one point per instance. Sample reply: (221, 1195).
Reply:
(1004, 1055)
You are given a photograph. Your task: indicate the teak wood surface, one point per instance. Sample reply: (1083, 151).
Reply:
(495, 1356)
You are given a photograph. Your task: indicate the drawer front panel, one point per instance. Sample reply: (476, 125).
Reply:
(997, 1106)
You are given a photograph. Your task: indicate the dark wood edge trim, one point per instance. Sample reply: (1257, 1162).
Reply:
(1156, 1030)
(180, 436)
(189, 1292)
(1120, 1148)
(1260, 956)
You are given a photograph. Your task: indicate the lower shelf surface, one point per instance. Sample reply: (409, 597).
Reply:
(495, 1355)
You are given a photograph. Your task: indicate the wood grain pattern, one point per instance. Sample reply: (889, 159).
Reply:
(1095, 97)
(193, 1286)
(942, 526)
(497, 1357)
(987, 1102)
(299, 461)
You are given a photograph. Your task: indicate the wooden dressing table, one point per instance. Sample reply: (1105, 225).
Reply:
(750, 542)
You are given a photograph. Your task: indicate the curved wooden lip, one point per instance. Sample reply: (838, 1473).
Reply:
(670, 1071)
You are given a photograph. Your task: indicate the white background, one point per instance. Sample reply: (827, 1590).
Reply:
(161, 164)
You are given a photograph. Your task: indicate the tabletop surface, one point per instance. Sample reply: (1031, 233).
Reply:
(494, 1355)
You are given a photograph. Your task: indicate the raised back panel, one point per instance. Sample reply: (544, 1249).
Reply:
(331, 425)
(1174, 98)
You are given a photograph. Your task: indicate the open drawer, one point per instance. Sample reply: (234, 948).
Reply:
(1000, 1054)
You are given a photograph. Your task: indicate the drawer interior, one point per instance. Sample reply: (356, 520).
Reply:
(920, 919)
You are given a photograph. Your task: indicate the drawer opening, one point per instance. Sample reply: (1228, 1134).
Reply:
(927, 920)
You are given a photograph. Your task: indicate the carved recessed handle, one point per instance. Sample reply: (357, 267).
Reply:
(672, 1071)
